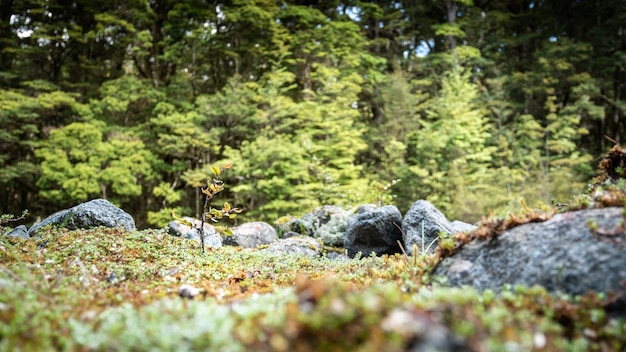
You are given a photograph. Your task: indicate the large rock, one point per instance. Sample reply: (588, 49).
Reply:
(252, 235)
(95, 213)
(332, 232)
(375, 231)
(211, 237)
(423, 223)
(300, 245)
(364, 208)
(561, 254)
(327, 223)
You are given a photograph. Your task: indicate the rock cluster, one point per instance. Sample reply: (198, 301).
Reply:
(212, 239)
(573, 252)
(371, 230)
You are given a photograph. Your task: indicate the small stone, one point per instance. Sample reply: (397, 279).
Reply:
(188, 291)
(112, 278)
(300, 245)
(89, 315)
(290, 234)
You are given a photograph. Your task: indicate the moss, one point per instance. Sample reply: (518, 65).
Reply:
(107, 289)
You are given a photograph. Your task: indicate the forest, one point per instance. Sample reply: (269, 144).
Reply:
(470, 104)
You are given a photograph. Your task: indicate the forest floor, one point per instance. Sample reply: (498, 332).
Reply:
(106, 289)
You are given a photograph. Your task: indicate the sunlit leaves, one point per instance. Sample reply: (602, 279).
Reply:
(223, 230)
(450, 150)
(110, 168)
(126, 101)
(213, 214)
(181, 220)
(166, 191)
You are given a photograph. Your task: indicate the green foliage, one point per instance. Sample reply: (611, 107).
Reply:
(473, 105)
(78, 163)
(125, 101)
(229, 115)
(450, 152)
(274, 174)
(7, 218)
(209, 213)
(163, 216)
(18, 118)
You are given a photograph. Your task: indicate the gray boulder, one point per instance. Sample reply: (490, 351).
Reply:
(562, 254)
(332, 232)
(460, 226)
(425, 216)
(95, 213)
(364, 208)
(252, 235)
(299, 245)
(376, 231)
(211, 237)
(309, 223)
(284, 225)
(19, 231)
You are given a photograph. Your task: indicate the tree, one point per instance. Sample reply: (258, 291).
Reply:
(113, 167)
(181, 143)
(229, 114)
(352, 91)
(27, 115)
(17, 167)
(449, 153)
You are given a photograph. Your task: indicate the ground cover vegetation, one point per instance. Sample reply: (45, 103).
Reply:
(471, 105)
(468, 104)
(105, 289)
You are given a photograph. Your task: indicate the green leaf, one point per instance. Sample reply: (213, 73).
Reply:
(224, 231)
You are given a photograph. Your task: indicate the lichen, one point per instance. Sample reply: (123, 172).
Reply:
(332, 232)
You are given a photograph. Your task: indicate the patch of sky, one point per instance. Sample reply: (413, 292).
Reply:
(22, 32)
(353, 12)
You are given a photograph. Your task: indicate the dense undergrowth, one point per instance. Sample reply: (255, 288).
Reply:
(106, 289)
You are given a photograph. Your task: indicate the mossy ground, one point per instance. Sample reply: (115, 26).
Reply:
(106, 289)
